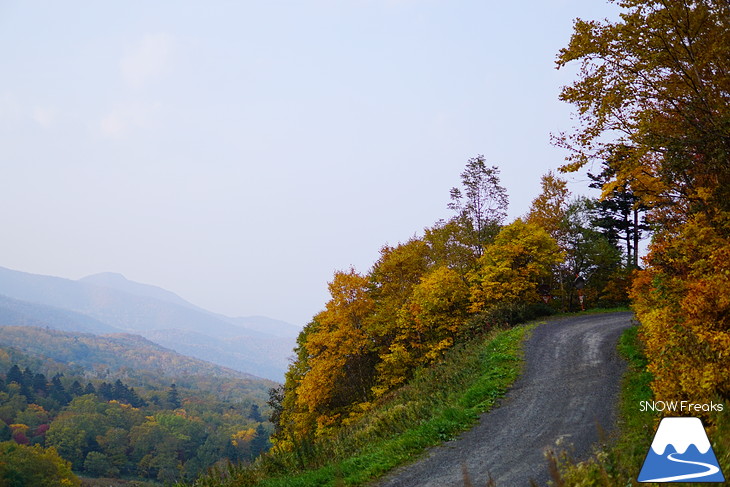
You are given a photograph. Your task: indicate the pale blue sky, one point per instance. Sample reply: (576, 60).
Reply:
(238, 153)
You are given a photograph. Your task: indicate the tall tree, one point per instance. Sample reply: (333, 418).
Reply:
(173, 397)
(619, 214)
(482, 202)
(340, 353)
(654, 87)
(549, 208)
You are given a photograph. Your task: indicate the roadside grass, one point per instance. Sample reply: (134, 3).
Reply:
(618, 460)
(440, 402)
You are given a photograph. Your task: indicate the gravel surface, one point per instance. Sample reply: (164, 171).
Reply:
(566, 396)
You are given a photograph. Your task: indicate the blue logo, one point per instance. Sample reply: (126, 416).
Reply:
(681, 452)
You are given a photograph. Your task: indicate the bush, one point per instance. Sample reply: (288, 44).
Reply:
(34, 466)
(506, 315)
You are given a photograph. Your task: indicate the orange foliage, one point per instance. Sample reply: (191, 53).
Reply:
(339, 355)
(683, 302)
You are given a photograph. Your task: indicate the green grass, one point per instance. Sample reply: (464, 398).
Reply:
(435, 406)
(618, 461)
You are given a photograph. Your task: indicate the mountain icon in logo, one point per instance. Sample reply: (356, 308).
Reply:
(681, 452)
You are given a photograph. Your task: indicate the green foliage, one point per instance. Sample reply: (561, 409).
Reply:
(140, 362)
(105, 433)
(24, 466)
(440, 401)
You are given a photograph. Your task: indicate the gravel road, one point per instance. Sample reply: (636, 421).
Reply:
(569, 387)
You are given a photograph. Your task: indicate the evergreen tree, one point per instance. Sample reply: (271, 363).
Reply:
(173, 399)
(76, 390)
(135, 400)
(57, 391)
(106, 391)
(14, 375)
(40, 384)
(255, 413)
(619, 215)
(260, 442)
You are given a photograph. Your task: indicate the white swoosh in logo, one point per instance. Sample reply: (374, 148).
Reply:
(712, 470)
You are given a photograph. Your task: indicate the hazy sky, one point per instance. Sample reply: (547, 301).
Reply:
(239, 152)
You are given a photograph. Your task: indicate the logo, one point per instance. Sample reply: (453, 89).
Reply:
(681, 452)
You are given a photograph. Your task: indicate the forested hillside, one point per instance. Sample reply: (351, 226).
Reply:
(109, 303)
(122, 406)
(653, 130)
(432, 298)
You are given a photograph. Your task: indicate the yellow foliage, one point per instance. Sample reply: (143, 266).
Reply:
(512, 267)
(426, 327)
(19, 427)
(243, 437)
(338, 355)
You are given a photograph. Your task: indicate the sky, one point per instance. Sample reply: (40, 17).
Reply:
(238, 153)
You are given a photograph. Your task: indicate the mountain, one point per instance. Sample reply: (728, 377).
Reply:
(260, 324)
(262, 356)
(680, 433)
(266, 325)
(119, 282)
(137, 360)
(23, 313)
(109, 302)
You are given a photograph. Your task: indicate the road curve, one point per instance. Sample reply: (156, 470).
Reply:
(568, 390)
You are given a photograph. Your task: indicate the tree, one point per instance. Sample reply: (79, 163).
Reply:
(619, 215)
(428, 324)
(448, 244)
(98, 464)
(549, 208)
(173, 398)
(482, 205)
(341, 360)
(590, 255)
(512, 267)
(654, 87)
(392, 279)
(24, 466)
(653, 99)
(14, 374)
(255, 413)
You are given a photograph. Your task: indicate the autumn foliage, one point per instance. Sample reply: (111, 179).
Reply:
(425, 296)
(653, 101)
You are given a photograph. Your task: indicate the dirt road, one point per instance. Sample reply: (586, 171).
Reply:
(568, 390)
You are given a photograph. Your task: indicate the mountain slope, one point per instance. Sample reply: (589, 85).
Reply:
(137, 360)
(23, 313)
(108, 302)
(117, 281)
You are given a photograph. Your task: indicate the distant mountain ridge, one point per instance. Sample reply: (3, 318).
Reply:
(108, 302)
(117, 281)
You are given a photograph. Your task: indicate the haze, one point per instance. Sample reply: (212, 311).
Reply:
(238, 153)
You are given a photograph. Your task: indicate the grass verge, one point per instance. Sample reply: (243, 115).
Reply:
(439, 403)
(618, 460)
